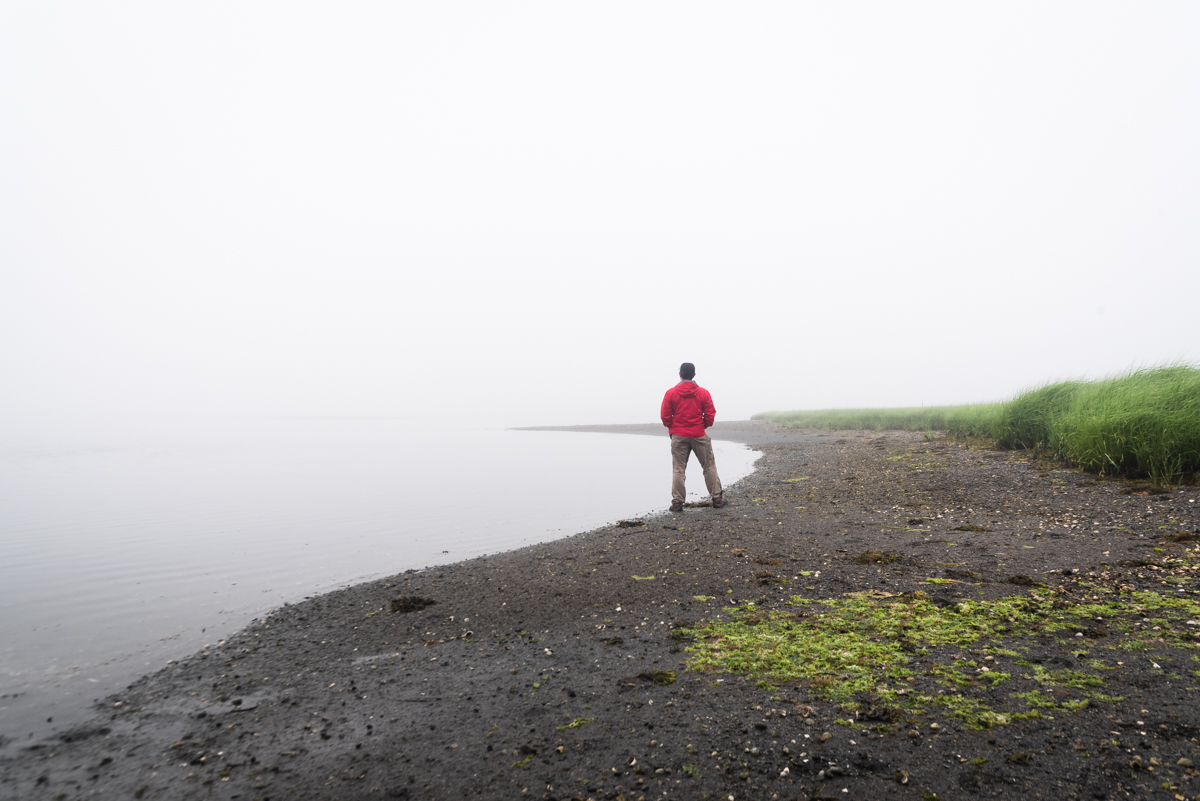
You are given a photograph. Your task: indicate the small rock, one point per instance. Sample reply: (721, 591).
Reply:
(901, 777)
(825, 736)
(1184, 762)
(660, 677)
(914, 734)
(410, 603)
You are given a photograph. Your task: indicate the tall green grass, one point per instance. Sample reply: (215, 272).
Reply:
(1143, 423)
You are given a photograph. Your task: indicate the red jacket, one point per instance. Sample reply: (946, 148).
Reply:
(687, 409)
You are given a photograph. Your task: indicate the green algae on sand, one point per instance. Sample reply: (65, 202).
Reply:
(909, 652)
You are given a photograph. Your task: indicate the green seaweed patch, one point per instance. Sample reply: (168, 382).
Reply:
(964, 673)
(1107, 699)
(869, 646)
(575, 724)
(643, 578)
(660, 677)
(1036, 699)
(973, 712)
(1066, 678)
(990, 649)
(1133, 645)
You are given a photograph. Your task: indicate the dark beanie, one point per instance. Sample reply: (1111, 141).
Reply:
(687, 370)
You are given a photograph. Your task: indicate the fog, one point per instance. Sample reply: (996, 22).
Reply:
(531, 213)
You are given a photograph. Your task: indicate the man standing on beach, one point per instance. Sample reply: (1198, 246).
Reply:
(687, 409)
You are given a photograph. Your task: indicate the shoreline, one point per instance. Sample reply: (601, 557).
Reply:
(152, 608)
(746, 432)
(523, 678)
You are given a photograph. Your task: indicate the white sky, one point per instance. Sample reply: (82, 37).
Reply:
(526, 213)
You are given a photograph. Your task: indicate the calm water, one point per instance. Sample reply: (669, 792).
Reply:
(122, 549)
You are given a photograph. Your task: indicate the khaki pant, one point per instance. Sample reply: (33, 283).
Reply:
(681, 448)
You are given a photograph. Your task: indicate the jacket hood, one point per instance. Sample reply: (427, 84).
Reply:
(687, 388)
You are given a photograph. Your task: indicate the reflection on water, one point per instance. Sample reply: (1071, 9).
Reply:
(123, 549)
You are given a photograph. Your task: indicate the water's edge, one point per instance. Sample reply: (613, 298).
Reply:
(76, 705)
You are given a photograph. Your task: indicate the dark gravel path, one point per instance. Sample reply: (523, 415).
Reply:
(521, 681)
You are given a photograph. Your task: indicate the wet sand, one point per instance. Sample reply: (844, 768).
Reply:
(527, 676)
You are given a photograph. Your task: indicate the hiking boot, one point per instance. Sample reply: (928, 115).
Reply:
(676, 506)
(719, 502)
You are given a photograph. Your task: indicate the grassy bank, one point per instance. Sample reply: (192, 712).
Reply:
(1145, 423)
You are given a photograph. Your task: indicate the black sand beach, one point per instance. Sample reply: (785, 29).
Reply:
(561, 671)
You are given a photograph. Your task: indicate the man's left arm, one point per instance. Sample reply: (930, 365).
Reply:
(707, 411)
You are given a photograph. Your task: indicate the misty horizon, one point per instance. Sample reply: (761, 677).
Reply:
(499, 215)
